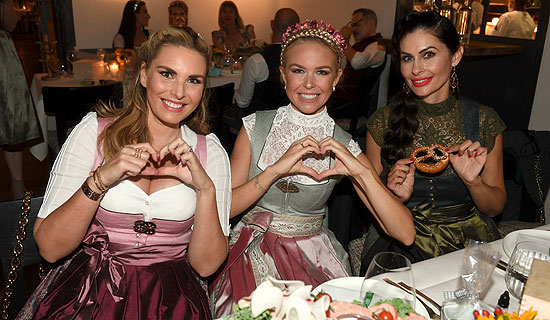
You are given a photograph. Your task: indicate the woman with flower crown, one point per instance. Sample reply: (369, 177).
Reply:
(284, 166)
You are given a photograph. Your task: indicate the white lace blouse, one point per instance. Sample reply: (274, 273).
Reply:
(290, 125)
(76, 160)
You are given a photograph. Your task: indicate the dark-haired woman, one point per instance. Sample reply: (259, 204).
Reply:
(132, 31)
(457, 203)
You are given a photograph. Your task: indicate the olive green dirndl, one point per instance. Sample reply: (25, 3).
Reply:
(444, 215)
(19, 126)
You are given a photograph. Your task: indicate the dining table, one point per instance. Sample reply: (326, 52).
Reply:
(47, 122)
(435, 276)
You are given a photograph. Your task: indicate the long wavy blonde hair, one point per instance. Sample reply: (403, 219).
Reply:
(130, 121)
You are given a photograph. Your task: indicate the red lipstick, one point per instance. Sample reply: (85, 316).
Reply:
(419, 82)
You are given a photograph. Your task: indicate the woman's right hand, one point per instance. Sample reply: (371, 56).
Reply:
(401, 179)
(291, 161)
(126, 162)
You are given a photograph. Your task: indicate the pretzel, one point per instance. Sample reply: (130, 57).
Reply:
(430, 159)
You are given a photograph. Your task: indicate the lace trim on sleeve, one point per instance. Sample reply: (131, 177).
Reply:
(248, 123)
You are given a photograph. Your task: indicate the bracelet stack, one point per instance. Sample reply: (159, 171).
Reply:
(91, 194)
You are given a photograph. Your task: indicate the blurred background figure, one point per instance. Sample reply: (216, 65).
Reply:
(19, 126)
(177, 14)
(517, 23)
(132, 31)
(261, 87)
(233, 33)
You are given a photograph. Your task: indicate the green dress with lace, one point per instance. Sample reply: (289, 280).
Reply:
(444, 214)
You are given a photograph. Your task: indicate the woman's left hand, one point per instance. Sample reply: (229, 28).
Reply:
(345, 163)
(468, 159)
(188, 169)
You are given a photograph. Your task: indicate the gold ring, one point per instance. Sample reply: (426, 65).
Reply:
(189, 150)
(138, 152)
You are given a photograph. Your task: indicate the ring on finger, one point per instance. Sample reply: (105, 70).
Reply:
(302, 144)
(137, 153)
(190, 150)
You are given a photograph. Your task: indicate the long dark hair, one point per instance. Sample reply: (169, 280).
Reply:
(128, 23)
(403, 119)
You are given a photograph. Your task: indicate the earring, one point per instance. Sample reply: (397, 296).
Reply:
(333, 88)
(454, 80)
(406, 89)
(285, 86)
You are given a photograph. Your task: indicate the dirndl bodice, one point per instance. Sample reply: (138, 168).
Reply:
(122, 274)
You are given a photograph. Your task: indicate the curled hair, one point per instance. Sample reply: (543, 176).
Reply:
(128, 22)
(403, 119)
(130, 121)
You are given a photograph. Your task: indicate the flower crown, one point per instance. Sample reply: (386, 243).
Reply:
(315, 29)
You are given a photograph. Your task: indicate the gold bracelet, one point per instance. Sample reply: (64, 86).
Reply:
(101, 184)
(89, 193)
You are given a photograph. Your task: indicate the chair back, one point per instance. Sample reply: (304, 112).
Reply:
(70, 104)
(219, 98)
(12, 225)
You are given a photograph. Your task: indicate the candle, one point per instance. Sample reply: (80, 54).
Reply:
(113, 67)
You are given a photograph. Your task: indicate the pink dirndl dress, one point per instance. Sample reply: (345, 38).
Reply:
(121, 274)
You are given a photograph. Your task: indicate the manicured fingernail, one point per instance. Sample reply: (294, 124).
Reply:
(469, 155)
(475, 155)
(411, 159)
(459, 154)
(158, 158)
(447, 149)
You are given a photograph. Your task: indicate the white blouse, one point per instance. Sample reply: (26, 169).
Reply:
(290, 125)
(76, 160)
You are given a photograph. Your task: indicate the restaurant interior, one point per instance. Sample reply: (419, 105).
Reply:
(508, 74)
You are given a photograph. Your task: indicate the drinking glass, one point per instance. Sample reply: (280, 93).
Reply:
(395, 267)
(520, 262)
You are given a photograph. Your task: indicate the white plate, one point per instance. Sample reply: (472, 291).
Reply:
(348, 288)
(509, 242)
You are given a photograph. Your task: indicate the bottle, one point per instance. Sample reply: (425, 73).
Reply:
(447, 10)
(463, 22)
(430, 5)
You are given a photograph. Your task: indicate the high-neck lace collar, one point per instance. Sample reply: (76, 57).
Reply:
(306, 120)
(436, 109)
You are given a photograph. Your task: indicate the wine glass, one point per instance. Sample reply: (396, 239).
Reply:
(520, 263)
(71, 56)
(395, 267)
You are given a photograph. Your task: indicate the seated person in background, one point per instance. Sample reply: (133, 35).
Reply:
(261, 87)
(364, 54)
(517, 23)
(142, 196)
(284, 166)
(456, 203)
(233, 33)
(177, 14)
(132, 31)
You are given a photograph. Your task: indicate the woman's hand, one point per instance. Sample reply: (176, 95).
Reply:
(130, 161)
(401, 179)
(291, 161)
(469, 160)
(345, 163)
(188, 169)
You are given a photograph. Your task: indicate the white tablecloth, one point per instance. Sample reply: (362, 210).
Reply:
(434, 276)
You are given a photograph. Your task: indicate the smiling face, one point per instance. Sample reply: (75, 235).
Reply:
(309, 73)
(426, 65)
(142, 16)
(178, 17)
(174, 83)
